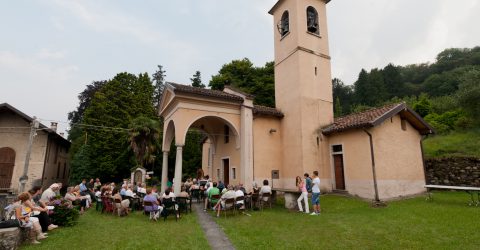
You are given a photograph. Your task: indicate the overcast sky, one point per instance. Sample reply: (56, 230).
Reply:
(51, 49)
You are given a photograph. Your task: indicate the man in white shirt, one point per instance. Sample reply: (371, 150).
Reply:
(239, 193)
(316, 193)
(49, 193)
(230, 194)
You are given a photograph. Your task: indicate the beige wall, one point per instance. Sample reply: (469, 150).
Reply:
(268, 154)
(398, 160)
(56, 164)
(17, 139)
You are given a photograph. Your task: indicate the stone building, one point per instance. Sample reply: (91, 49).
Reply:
(375, 154)
(49, 153)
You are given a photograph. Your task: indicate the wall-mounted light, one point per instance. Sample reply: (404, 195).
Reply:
(272, 130)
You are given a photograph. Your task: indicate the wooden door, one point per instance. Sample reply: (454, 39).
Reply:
(339, 177)
(7, 163)
(226, 171)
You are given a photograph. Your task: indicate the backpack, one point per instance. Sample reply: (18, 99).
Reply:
(308, 184)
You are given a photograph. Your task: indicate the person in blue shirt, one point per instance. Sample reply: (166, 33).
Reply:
(83, 187)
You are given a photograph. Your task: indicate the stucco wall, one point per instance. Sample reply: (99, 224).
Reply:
(398, 158)
(56, 164)
(17, 139)
(268, 154)
(226, 150)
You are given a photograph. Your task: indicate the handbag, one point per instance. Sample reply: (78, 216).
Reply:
(9, 223)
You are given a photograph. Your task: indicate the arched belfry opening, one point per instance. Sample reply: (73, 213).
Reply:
(284, 25)
(312, 20)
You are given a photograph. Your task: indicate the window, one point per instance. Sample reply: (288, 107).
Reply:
(283, 26)
(226, 132)
(337, 148)
(312, 20)
(234, 173)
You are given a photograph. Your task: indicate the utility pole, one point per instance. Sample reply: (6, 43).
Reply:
(33, 130)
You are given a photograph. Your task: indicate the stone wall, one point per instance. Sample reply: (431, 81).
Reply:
(456, 171)
(11, 238)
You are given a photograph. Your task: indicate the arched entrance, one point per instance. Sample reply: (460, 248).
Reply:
(7, 163)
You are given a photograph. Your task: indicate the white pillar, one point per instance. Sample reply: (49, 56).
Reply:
(246, 143)
(164, 172)
(178, 170)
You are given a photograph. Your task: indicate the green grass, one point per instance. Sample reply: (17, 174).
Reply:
(103, 231)
(460, 143)
(347, 223)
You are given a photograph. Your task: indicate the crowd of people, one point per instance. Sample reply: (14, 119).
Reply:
(309, 185)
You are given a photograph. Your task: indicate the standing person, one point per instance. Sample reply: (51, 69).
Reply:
(303, 196)
(308, 182)
(316, 194)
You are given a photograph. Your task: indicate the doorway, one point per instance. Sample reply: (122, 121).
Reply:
(7, 163)
(226, 171)
(339, 174)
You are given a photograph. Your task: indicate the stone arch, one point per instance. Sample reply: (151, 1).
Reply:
(312, 20)
(7, 163)
(168, 135)
(231, 125)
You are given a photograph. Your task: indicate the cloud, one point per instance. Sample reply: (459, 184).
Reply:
(49, 54)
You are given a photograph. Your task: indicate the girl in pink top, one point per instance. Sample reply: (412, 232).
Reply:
(304, 196)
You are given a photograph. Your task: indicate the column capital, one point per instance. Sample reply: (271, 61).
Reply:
(179, 145)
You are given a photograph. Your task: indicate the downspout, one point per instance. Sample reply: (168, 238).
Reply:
(423, 160)
(372, 155)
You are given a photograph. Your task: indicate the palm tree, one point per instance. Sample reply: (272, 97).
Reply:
(144, 136)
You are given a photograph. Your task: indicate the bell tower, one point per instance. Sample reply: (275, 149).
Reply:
(303, 86)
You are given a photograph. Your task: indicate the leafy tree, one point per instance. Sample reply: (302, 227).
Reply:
(363, 90)
(159, 82)
(422, 106)
(197, 80)
(345, 95)
(337, 110)
(143, 137)
(393, 81)
(468, 95)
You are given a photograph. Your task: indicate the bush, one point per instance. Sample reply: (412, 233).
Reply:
(64, 213)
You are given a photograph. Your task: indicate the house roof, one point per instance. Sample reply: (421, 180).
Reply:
(216, 94)
(376, 116)
(6, 106)
(263, 110)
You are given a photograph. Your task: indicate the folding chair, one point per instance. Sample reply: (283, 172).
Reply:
(169, 205)
(266, 198)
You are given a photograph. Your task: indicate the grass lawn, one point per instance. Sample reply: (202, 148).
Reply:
(458, 143)
(348, 223)
(103, 231)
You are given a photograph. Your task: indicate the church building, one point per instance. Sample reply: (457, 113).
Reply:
(376, 154)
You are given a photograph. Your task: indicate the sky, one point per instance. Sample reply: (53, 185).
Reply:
(51, 49)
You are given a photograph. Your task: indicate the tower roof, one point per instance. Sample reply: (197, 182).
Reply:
(280, 1)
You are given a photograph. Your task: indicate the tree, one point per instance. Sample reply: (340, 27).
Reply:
(159, 82)
(345, 95)
(468, 95)
(393, 81)
(338, 108)
(422, 106)
(197, 80)
(144, 137)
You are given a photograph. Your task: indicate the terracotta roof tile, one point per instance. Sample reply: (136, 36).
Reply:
(263, 110)
(205, 92)
(363, 119)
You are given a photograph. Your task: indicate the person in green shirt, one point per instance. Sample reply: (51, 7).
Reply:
(211, 191)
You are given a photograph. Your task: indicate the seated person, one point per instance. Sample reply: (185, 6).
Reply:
(156, 208)
(123, 190)
(124, 204)
(239, 193)
(194, 185)
(240, 187)
(87, 197)
(76, 199)
(211, 192)
(49, 193)
(265, 189)
(170, 195)
(229, 194)
(42, 212)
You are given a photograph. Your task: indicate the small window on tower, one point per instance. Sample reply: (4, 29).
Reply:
(312, 20)
(283, 26)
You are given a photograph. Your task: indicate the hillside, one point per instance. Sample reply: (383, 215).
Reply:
(458, 143)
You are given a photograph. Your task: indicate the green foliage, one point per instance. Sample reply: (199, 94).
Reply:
(457, 143)
(197, 80)
(243, 75)
(337, 109)
(344, 94)
(144, 139)
(107, 118)
(422, 106)
(64, 214)
(158, 79)
(192, 153)
(468, 95)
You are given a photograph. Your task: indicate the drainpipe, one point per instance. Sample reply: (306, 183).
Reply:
(372, 155)
(423, 160)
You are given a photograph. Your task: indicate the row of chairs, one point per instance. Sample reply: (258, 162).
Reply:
(170, 206)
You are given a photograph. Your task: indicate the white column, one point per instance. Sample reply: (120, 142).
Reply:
(178, 170)
(164, 171)
(246, 144)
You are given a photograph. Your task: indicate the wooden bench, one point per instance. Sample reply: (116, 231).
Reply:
(469, 190)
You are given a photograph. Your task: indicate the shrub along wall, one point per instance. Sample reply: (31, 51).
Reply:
(455, 171)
